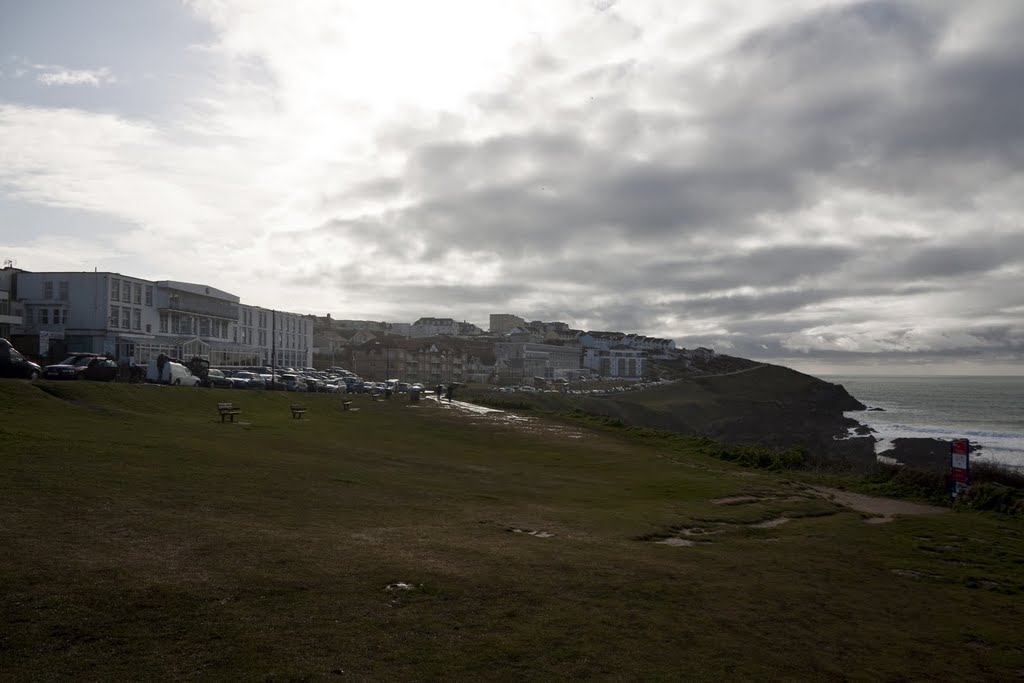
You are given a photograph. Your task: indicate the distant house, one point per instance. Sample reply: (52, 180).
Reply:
(434, 327)
(644, 343)
(600, 340)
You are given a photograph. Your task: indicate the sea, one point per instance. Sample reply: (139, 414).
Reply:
(987, 410)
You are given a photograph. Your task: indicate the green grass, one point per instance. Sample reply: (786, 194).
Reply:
(141, 538)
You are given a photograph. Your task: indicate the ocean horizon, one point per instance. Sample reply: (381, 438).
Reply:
(988, 410)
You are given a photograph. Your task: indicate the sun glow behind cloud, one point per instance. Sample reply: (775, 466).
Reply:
(804, 176)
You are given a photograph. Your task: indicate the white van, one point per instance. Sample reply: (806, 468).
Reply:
(171, 373)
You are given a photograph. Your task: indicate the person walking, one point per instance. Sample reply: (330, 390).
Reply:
(438, 391)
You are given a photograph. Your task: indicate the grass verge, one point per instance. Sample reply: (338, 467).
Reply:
(409, 541)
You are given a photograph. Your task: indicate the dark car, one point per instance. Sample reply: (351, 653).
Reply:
(215, 378)
(243, 379)
(13, 364)
(83, 366)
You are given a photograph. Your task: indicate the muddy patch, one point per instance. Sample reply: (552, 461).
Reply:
(680, 542)
(737, 500)
(532, 532)
(769, 524)
(401, 586)
(882, 510)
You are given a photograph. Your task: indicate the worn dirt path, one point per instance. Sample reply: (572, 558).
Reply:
(885, 509)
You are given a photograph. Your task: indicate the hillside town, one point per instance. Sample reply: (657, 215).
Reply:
(133, 320)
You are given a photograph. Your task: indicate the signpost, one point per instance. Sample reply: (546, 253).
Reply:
(960, 465)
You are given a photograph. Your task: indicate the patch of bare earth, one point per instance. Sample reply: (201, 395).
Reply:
(882, 510)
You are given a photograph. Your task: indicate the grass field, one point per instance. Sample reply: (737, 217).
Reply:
(142, 538)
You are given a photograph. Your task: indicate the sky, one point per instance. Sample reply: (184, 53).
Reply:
(836, 186)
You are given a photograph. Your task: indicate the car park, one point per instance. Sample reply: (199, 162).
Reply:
(90, 366)
(13, 364)
(243, 379)
(292, 382)
(170, 372)
(217, 379)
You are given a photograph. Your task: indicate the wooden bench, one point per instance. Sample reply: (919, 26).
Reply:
(228, 410)
(346, 405)
(298, 411)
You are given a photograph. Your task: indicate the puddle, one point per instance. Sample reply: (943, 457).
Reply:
(538, 534)
(878, 520)
(491, 416)
(400, 586)
(680, 542)
(736, 500)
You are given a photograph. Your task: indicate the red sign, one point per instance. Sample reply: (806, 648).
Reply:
(960, 464)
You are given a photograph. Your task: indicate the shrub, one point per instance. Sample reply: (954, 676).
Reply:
(993, 472)
(760, 457)
(992, 497)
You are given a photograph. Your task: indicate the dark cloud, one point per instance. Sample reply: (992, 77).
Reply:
(689, 191)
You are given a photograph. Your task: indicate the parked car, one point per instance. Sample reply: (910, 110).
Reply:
(83, 366)
(292, 382)
(243, 379)
(13, 364)
(170, 373)
(216, 378)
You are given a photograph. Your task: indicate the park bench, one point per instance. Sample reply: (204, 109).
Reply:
(346, 405)
(298, 411)
(228, 410)
(374, 396)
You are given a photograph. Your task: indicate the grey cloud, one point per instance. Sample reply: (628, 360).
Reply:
(859, 97)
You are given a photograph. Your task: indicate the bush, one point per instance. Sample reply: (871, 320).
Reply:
(992, 497)
(920, 483)
(982, 472)
(760, 457)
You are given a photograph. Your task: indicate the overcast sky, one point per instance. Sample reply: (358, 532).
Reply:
(837, 186)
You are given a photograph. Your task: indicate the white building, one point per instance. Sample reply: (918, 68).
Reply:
(520, 362)
(618, 361)
(136, 319)
(434, 327)
(10, 310)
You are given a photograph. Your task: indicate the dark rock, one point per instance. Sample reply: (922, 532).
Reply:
(920, 453)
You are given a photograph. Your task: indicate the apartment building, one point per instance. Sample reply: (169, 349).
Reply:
(136, 319)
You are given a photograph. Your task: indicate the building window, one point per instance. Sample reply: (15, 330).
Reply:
(114, 313)
(44, 316)
(137, 319)
(126, 292)
(138, 294)
(149, 295)
(64, 317)
(126, 318)
(56, 316)
(62, 290)
(163, 322)
(48, 289)
(115, 289)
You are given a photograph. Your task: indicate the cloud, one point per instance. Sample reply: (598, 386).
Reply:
(52, 75)
(804, 179)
